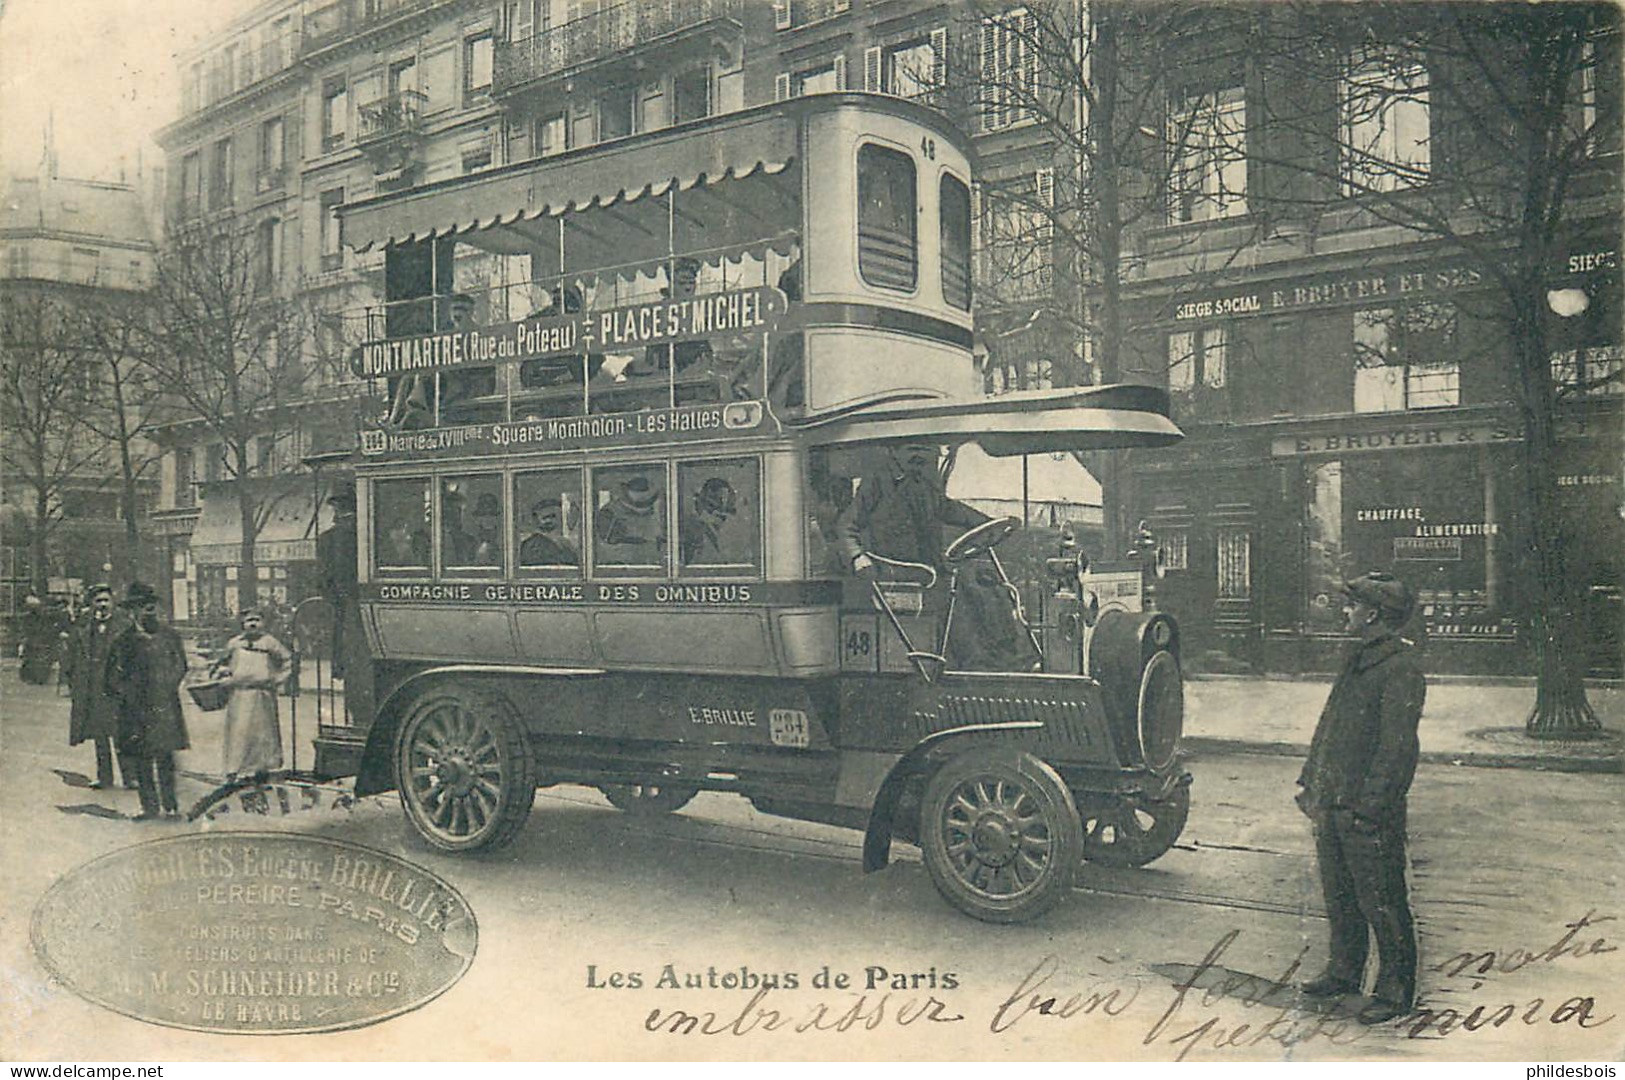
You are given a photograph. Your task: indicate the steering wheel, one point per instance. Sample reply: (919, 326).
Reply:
(984, 537)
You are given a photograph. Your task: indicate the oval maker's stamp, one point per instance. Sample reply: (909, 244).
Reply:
(254, 933)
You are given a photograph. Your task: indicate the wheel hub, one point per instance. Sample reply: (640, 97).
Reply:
(994, 838)
(455, 774)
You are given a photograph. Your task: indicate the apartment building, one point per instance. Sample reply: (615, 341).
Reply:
(1343, 378)
(64, 241)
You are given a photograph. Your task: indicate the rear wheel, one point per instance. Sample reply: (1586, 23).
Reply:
(464, 769)
(648, 800)
(1133, 834)
(1000, 835)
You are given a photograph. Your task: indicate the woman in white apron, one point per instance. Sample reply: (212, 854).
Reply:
(255, 663)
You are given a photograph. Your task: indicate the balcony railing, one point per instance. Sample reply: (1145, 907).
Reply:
(593, 37)
(331, 23)
(400, 113)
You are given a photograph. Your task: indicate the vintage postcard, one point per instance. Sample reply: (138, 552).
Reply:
(676, 530)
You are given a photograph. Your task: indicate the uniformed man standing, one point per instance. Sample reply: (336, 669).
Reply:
(1360, 765)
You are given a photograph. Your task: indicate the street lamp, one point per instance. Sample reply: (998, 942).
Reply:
(1566, 303)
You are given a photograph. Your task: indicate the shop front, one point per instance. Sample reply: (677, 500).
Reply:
(284, 552)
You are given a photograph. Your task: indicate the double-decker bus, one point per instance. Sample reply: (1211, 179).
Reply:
(613, 531)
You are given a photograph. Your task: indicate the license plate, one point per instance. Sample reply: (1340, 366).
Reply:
(788, 727)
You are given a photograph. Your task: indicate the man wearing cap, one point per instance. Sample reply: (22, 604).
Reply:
(95, 714)
(1353, 786)
(145, 666)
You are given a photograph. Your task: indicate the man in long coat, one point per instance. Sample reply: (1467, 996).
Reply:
(1354, 784)
(145, 667)
(95, 713)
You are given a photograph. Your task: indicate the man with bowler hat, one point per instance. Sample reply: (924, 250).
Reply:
(1361, 761)
(145, 666)
(95, 714)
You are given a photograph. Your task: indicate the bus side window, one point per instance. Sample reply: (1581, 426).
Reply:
(629, 520)
(719, 528)
(401, 525)
(471, 522)
(547, 520)
(888, 255)
(829, 492)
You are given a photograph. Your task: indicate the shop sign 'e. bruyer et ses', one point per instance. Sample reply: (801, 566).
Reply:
(636, 326)
(1379, 285)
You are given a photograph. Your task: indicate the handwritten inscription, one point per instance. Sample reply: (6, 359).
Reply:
(254, 933)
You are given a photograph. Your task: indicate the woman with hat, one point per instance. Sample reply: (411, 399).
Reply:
(94, 715)
(145, 666)
(254, 664)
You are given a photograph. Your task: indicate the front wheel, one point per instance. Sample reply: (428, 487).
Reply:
(1133, 834)
(648, 800)
(464, 769)
(1000, 835)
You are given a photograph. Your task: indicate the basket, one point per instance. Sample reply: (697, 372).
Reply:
(210, 696)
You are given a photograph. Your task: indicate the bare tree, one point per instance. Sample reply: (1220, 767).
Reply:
(48, 447)
(228, 348)
(1085, 90)
(1481, 127)
(123, 407)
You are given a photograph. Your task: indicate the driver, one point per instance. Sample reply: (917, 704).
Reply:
(900, 510)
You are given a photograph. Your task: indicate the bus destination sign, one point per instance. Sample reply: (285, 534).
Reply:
(657, 322)
(684, 423)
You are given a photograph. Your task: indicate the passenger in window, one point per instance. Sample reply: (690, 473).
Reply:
(631, 520)
(546, 545)
(563, 299)
(487, 537)
(460, 384)
(404, 546)
(699, 535)
(685, 282)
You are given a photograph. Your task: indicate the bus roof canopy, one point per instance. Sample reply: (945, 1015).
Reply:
(616, 188)
(1029, 422)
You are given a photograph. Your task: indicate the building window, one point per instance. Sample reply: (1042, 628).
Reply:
(691, 93)
(335, 112)
(1009, 68)
(1385, 144)
(192, 88)
(1593, 371)
(1198, 358)
(220, 174)
(477, 156)
(954, 209)
(268, 252)
(185, 480)
(402, 76)
(191, 184)
(911, 69)
(550, 135)
(332, 232)
(1207, 135)
(825, 79)
(477, 56)
(653, 107)
(887, 244)
(615, 114)
(1406, 358)
(1235, 562)
(272, 153)
(1173, 547)
(1017, 241)
(790, 13)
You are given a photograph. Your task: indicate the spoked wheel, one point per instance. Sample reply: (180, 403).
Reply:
(1133, 835)
(464, 769)
(1000, 835)
(648, 800)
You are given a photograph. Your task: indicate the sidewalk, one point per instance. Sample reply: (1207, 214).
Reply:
(1465, 722)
